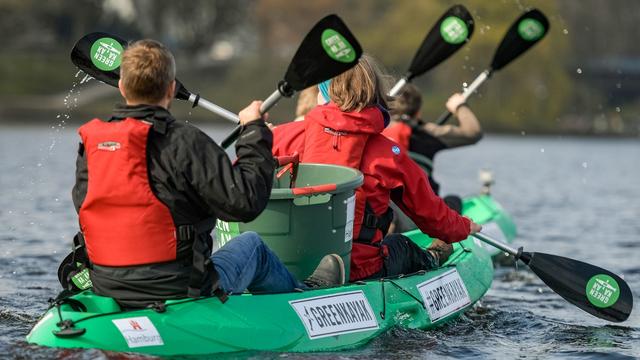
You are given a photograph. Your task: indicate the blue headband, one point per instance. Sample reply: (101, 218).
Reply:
(324, 89)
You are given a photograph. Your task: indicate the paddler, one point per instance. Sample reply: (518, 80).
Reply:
(347, 130)
(426, 138)
(149, 189)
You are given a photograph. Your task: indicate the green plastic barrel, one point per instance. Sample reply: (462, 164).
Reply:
(303, 224)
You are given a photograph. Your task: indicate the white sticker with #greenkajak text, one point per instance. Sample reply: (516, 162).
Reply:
(335, 314)
(138, 332)
(444, 295)
(348, 228)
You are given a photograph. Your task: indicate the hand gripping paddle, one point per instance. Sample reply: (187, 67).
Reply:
(328, 50)
(99, 54)
(525, 32)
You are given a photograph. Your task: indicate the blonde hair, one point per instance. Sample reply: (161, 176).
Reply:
(361, 86)
(307, 100)
(146, 71)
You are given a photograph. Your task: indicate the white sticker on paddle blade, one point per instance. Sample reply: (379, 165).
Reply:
(348, 228)
(336, 314)
(138, 332)
(444, 295)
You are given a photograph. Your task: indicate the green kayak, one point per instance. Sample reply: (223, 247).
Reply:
(319, 320)
(301, 224)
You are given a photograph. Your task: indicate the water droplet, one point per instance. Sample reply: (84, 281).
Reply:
(539, 290)
(585, 165)
(464, 84)
(618, 109)
(579, 71)
(565, 31)
(58, 117)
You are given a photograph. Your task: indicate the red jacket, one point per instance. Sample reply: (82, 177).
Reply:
(400, 133)
(389, 174)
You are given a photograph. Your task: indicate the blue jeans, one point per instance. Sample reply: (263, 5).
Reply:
(246, 262)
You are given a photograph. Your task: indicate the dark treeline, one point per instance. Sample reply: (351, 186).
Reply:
(581, 79)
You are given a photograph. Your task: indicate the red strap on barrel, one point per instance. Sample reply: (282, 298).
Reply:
(290, 159)
(315, 189)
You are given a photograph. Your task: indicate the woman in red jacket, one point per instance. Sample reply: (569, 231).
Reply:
(347, 131)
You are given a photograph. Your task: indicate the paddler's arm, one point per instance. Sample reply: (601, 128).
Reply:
(467, 132)
(79, 191)
(430, 213)
(237, 192)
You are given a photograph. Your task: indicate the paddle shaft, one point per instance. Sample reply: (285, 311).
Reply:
(495, 243)
(517, 253)
(468, 91)
(267, 104)
(206, 104)
(398, 86)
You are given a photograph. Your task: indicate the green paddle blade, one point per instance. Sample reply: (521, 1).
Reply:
(448, 35)
(597, 291)
(99, 54)
(525, 32)
(328, 50)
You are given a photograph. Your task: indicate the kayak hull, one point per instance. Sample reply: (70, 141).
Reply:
(270, 322)
(329, 319)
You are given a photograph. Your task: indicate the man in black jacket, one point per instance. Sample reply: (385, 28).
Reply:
(148, 190)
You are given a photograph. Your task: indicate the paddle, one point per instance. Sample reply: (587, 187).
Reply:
(448, 35)
(597, 291)
(328, 50)
(99, 54)
(525, 32)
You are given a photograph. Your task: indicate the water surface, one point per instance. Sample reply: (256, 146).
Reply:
(569, 196)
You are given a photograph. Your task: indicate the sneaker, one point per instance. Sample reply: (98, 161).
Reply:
(440, 251)
(330, 272)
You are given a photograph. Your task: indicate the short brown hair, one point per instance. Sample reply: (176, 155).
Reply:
(407, 103)
(146, 71)
(307, 100)
(359, 87)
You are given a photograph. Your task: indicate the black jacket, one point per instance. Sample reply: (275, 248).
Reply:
(194, 177)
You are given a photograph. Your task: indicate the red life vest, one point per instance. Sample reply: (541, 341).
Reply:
(123, 222)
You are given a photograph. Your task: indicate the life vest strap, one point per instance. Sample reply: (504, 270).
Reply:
(201, 261)
(372, 222)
